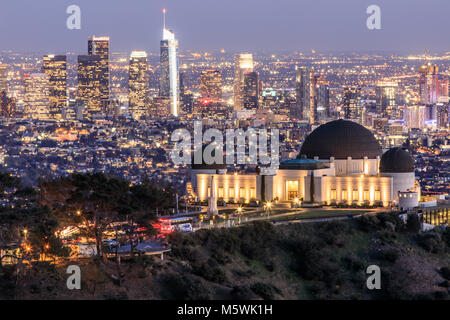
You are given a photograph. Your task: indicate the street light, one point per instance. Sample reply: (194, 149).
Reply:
(268, 205)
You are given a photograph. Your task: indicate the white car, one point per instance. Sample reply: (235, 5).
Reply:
(184, 227)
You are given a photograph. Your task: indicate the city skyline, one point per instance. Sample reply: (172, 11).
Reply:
(233, 27)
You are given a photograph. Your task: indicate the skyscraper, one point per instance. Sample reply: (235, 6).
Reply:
(321, 99)
(251, 90)
(304, 85)
(428, 83)
(352, 103)
(3, 77)
(99, 46)
(243, 63)
(89, 82)
(138, 84)
(168, 81)
(7, 105)
(211, 85)
(56, 68)
(385, 92)
(36, 97)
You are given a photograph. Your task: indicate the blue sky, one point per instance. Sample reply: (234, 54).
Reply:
(235, 25)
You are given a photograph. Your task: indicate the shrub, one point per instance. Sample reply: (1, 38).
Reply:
(445, 272)
(413, 223)
(369, 223)
(431, 241)
(242, 293)
(266, 291)
(390, 255)
(209, 271)
(353, 263)
(187, 287)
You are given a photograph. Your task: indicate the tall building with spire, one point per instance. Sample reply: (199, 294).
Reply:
(168, 79)
(138, 84)
(243, 64)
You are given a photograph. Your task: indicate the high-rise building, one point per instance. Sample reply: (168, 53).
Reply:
(168, 81)
(304, 85)
(352, 103)
(99, 46)
(443, 115)
(428, 83)
(55, 66)
(7, 105)
(243, 63)
(211, 85)
(442, 90)
(252, 90)
(138, 84)
(36, 97)
(89, 82)
(3, 77)
(385, 92)
(415, 116)
(321, 99)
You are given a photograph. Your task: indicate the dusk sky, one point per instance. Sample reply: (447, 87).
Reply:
(409, 26)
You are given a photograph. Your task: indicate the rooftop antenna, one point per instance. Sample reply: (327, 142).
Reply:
(425, 56)
(164, 17)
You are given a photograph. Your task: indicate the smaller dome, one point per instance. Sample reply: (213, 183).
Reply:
(396, 160)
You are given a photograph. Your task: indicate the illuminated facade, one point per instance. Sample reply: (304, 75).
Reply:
(89, 83)
(385, 99)
(243, 63)
(211, 85)
(251, 90)
(428, 83)
(321, 99)
(138, 84)
(304, 89)
(3, 77)
(339, 163)
(352, 103)
(36, 97)
(99, 46)
(56, 68)
(169, 77)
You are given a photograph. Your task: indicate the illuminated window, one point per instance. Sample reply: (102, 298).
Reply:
(355, 195)
(333, 194)
(252, 193)
(366, 195)
(344, 195)
(232, 193)
(242, 192)
(220, 192)
(377, 195)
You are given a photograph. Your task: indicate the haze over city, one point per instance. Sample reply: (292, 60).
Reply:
(256, 25)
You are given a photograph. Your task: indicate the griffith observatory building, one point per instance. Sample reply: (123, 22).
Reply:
(340, 162)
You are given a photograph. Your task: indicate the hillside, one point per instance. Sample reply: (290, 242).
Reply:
(263, 261)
